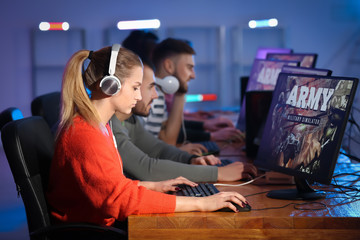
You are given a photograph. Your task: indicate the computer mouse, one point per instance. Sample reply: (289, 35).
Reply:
(245, 208)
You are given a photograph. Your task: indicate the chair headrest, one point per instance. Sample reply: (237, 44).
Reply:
(29, 146)
(10, 114)
(47, 106)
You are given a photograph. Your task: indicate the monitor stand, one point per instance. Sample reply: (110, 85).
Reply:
(303, 191)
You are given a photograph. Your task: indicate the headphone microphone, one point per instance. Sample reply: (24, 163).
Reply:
(110, 84)
(168, 84)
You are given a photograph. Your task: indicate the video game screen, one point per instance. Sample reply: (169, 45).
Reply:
(305, 125)
(263, 76)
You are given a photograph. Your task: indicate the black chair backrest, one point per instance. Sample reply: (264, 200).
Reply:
(29, 146)
(47, 106)
(10, 114)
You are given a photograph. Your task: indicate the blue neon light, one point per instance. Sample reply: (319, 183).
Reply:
(193, 98)
(273, 22)
(16, 114)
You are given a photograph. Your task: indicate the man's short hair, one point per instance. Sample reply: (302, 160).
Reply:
(142, 43)
(170, 47)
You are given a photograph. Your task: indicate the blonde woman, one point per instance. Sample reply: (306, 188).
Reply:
(86, 180)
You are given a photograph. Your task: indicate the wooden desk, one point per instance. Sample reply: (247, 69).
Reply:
(340, 219)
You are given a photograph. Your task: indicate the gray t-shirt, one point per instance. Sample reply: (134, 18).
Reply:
(147, 158)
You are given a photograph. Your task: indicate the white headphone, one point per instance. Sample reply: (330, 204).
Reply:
(168, 84)
(110, 84)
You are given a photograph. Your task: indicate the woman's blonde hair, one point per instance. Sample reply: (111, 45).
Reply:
(74, 97)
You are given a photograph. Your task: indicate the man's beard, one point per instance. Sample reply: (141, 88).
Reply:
(182, 88)
(141, 113)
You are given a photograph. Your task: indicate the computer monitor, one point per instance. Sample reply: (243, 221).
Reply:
(243, 85)
(257, 108)
(305, 59)
(304, 129)
(263, 76)
(263, 51)
(304, 70)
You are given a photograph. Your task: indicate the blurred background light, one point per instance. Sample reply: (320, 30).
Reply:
(272, 22)
(139, 24)
(200, 97)
(54, 26)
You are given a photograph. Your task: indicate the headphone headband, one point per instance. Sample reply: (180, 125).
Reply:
(110, 84)
(114, 53)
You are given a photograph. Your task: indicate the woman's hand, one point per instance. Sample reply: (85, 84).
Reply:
(167, 185)
(210, 203)
(222, 200)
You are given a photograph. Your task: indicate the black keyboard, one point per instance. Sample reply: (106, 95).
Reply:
(201, 190)
(206, 189)
(211, 146)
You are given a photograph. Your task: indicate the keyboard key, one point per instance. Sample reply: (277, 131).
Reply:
(202, 190)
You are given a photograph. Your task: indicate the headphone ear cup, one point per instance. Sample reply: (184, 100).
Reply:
(110, 85)
(168, 84)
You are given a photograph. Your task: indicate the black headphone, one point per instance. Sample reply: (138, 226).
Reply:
(110, 84)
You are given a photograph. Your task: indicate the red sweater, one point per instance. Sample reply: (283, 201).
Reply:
(86, 182)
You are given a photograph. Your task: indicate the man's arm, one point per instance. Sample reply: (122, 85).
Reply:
(151, 145)
(140, 166)
(170, 129)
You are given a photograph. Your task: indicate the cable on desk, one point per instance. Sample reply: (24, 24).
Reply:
(347, 174)
(298, 206)
(352, 157)
(351, 193)
(239, 185)
(253, 194)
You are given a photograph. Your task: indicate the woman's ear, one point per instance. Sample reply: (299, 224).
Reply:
(169, 65)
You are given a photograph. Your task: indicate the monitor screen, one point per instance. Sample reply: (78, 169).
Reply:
(304, 130)
(304, 70)
(263, 76)
(263, 51)
(305, 59)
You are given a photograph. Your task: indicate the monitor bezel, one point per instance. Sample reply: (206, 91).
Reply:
(304, 70)
(314, 55)
(262, 52)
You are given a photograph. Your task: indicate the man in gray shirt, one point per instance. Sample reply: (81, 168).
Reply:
(148, 158)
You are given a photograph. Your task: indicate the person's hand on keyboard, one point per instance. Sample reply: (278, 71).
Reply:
(236, 171)
(193, 148)
(206, 160)
(227, 134)
(167, 185)
(222, 200)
